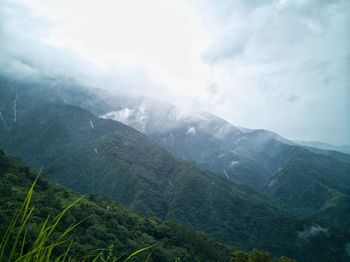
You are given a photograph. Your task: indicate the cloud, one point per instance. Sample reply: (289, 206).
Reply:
(347, 249)
(270, 28)
(24, 54)
(27, 53)
(271, 59)
(293, 99)
(312, 232)
(250, 62)
(227, 46)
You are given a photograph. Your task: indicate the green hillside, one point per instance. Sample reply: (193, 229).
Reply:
(105, 224)
(310, 183)
(312, 190)
(104, 157)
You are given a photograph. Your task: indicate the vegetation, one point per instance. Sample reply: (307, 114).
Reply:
(257, 256)
(14, 246)
(308, 189)
(30, 237)
(305, 181)
(106, 158)
(91, 227)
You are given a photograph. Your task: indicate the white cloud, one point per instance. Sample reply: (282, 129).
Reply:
(264, 54)
(278, 65)
(191, 131)
(312, 231)
(347, 249)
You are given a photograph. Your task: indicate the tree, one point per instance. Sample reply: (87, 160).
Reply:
(259, 256)
(239, 256)
(286, 259)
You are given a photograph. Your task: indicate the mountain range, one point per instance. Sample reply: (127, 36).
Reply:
(103, 224)
(325, 146)
(247, 188)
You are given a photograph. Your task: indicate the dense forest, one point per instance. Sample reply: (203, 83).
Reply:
(174, 131)
(108, 159)
(103, 229)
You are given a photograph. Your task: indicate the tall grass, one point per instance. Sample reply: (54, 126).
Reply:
(13, 243)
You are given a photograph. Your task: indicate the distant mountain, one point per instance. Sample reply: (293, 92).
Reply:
(105, 223)
(256, 158)
(201, 137)
(95, 155)
(313, 185)
(325, 146)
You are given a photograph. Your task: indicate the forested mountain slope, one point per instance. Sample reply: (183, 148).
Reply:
(308, 181)
(95, 155)
(104, 223)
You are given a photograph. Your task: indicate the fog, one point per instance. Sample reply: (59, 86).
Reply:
(278, 65)
(312, 231)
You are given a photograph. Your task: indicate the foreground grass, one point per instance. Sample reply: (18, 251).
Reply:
(14, 246)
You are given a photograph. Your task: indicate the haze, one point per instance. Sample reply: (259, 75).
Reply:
(278, 65)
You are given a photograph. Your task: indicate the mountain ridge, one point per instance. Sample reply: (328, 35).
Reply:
(95, 155)
(103, 224)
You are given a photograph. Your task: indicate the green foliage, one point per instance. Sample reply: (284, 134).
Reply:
(14, 246)
(308, 182)
(317, 186)
(130, 168)
(285, 259)
(259, 256)
(98, 223)
(239, 256)
(256, 256)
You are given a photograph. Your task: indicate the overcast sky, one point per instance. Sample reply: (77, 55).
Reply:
(279, 65)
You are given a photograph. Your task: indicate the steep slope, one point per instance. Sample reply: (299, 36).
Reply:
(180, 131)
(325, 146)
(105, 223)
(95, 155)
(18, 96)
(314, 185)
(235, 152)
(252, 157)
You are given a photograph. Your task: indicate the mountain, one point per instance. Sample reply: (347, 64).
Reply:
(212, 142)
(91, 154)
(104, 223)
(289, 174)
(314, 185)
(325, 146)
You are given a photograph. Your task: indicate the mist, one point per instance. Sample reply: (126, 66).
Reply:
(277, 65)
(312, 231)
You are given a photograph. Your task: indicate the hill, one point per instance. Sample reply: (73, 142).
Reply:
(100, 156)
(309, 182)
(104, 223)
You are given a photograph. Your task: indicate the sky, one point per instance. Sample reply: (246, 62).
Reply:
(278, 65)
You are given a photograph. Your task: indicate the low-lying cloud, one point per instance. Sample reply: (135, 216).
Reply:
(312, 232)
(279, 65)
(347, 249)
